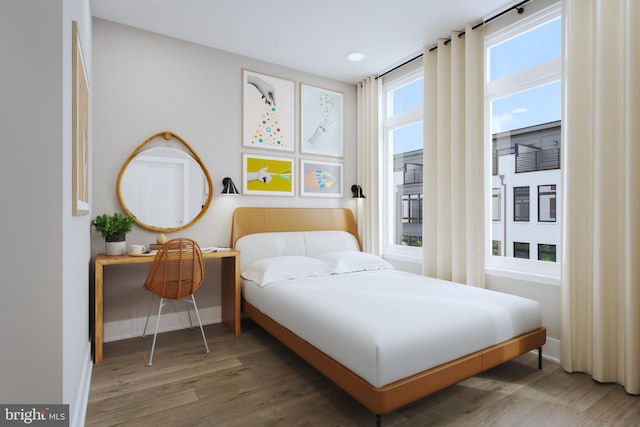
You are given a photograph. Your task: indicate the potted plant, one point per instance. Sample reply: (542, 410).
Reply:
(113, 229)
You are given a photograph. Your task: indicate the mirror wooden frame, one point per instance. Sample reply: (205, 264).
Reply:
(167, 135)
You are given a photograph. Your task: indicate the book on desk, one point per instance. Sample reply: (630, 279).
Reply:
(208, 249)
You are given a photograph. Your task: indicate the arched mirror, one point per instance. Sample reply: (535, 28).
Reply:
(164, 184)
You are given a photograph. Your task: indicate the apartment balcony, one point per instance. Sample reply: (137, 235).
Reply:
(532, 160)
(413, 176)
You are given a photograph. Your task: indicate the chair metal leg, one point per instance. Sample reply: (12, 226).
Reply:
(153, 346)
(144, 332)
(186, 302)
(195, 307)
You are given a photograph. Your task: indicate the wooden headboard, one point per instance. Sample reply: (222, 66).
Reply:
(264, 220)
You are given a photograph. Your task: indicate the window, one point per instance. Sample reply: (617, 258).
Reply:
(402, 155)
(525, 50)
(496, 247)
(521, 250)
(546, 252)
(523, 90)
(547, 203)
(521, 203)
(412, 208)
(495, 204)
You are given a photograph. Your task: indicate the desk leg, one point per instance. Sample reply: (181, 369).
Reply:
(98, 335)
(231, 293)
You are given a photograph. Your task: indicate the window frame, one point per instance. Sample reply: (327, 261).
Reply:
(388, 124)
(539, 75)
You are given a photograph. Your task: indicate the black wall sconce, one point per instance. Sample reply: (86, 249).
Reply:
(229, 187)
(357, 192)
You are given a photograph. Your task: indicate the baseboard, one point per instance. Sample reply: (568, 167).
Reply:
(131, 328)
(82, 398)
(551, 350)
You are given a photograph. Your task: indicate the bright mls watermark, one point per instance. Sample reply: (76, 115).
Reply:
(34, 415)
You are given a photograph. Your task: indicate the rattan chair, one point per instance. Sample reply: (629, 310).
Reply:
(176, 273)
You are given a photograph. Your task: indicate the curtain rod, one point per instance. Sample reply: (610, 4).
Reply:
(518, 7)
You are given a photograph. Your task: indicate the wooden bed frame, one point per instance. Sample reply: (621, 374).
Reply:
(379, 400)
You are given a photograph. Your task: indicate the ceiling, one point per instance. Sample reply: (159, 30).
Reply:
(314, 37)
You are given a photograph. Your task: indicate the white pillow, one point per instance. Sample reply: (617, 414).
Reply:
(352, 261)
(275, 269)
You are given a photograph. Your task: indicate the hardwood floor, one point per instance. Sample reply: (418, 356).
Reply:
(253, 380)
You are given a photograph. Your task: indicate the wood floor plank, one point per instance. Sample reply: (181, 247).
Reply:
(252, 380)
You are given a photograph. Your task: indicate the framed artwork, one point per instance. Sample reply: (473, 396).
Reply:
(267, 176)
(80, 131)
(320, 179)
(267, 112)
(321, 121)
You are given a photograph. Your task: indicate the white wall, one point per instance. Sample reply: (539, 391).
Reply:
(146, 83)
(548, 295)
(46, 257)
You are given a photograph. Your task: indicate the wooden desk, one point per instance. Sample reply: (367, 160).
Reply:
(230, 290)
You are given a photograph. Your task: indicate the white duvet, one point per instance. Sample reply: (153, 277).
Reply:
(386, 325)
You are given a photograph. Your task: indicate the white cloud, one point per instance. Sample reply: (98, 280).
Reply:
(501, 123)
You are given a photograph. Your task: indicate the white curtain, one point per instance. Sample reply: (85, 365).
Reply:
(369, 170)
(601, 235)
(454, 159)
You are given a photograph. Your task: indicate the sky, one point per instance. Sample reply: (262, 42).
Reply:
(532, 107)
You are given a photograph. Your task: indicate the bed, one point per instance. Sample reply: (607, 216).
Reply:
(384, 336)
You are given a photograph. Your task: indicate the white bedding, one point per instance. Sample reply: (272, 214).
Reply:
(385, 325)
(382, 324)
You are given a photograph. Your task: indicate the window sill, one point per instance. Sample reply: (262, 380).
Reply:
(524, 269)
(545, 274)
(403, 253)
(543, 279)
(403, 256)
(405, 260)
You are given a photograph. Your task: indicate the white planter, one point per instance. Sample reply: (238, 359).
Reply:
(116, 248)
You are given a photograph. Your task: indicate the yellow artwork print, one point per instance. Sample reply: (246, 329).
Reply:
(269, 174)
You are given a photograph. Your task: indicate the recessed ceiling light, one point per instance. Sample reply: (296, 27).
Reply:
(355, 56)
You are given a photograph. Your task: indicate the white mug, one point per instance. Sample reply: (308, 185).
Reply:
(138, 249)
